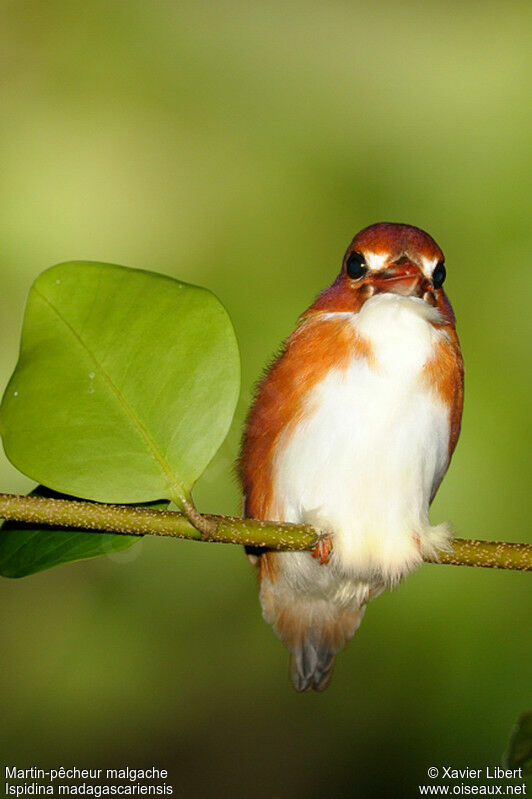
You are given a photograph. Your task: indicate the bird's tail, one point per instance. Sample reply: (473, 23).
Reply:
(314, 640)
(312, 626)
(312, 663)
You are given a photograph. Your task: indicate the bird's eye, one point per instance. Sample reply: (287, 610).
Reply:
(356, 265)
(438, 276)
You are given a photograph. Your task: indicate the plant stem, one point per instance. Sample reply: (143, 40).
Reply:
(132, 520)
(489, 554)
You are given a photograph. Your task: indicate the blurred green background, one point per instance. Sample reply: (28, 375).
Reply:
(240, 146)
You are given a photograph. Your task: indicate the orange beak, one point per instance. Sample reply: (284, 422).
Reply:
(405, 279)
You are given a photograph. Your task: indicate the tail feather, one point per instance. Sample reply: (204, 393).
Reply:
(311, 665)
(313, 626)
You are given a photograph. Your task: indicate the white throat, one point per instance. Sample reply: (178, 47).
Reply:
(400, 330)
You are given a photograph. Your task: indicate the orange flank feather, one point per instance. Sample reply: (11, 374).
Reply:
(445, 374)
(317, 345)
(268, 567)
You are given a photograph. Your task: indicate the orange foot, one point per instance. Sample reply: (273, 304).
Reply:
(322, 550)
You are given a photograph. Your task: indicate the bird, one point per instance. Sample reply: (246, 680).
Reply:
(351, 430)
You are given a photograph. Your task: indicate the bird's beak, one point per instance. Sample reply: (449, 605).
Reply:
(405, 279)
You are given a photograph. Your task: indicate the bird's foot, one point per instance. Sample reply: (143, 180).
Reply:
(322, 550)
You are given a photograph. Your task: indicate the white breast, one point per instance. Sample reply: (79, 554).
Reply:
(373, 443)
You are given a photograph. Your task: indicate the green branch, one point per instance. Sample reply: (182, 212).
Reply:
(131, 520)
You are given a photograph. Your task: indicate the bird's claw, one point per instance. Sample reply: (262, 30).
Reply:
(322, 550)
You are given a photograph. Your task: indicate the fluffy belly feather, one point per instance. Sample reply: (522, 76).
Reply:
(369, 448)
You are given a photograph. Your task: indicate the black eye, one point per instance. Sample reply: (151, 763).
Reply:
(438, 276)
(356, 265)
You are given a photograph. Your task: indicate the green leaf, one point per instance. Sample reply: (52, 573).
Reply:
(519, 754)
(29, 548)
(125, 386)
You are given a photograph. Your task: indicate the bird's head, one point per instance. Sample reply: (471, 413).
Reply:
(389, 258)
(397, 259)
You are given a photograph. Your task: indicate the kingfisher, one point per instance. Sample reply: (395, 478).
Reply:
(351, 431)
